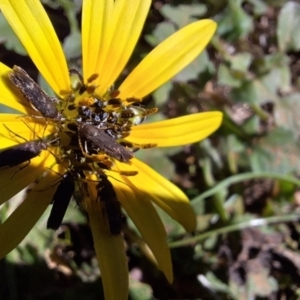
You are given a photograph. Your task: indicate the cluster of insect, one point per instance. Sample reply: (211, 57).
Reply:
(95, 129)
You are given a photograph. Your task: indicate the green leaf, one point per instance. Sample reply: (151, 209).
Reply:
(160, 33)
(183, 15)
(139, 290)
(197, 66)
(9, 38)
(7, 110)
(245, 93)
(72, 45)
(277, 152)
(161, 95)
(278, 79)
(288, 27)
(287, 113)
(259, 7)
(265, 88)
(173, 228)
(251, 126)
(234, 144)
(227, 77)
(158, 160)
(235, 23)
(241, 61)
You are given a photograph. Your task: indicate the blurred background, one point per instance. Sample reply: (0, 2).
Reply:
(243, 181)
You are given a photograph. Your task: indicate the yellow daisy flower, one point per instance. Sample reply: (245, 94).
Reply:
(110, 30)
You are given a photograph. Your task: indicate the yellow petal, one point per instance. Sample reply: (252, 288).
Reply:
(13, 180)
(167, 59)
(144, 216)
(31, 24)
(10, 95)
(117, 29)
(96, 18)
(20, 222)
(110, 251)
(26, 127)
(156, 188)
(178, 131)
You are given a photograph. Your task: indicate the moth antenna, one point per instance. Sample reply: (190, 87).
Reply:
(15, 133)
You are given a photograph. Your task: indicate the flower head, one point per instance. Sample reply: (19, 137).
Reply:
(94, 129)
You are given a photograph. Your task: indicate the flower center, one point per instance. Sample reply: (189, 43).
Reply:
(97, 126)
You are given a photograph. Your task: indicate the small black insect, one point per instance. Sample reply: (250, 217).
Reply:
(112, 206)
(21, 153)
(104, 142)
(34, 94)
(61, 200)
